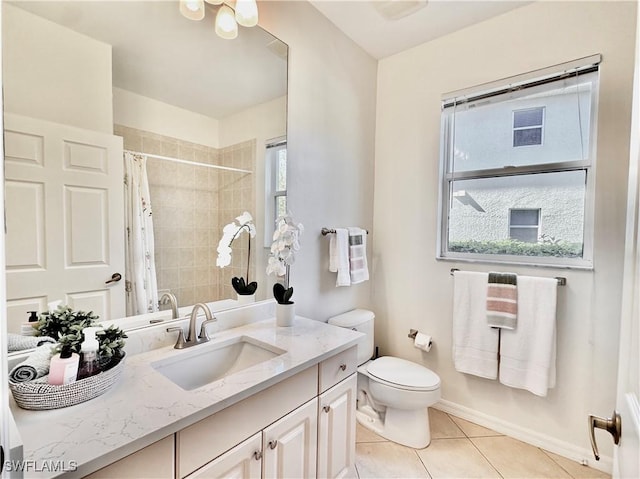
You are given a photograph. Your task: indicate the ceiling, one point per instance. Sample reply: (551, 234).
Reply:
(363, 22)
(158, 53)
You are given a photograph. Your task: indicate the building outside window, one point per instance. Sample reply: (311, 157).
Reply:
(528, 127)
(517, 170)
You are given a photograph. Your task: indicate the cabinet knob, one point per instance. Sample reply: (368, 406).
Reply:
(273, 444)
(326, 408)
(257, 455)
(343, 367)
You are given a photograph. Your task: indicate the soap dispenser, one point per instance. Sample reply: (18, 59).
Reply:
(89, 354)
(29, 328)
(63, 368)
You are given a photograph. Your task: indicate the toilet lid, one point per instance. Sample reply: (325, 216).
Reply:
(404, 373)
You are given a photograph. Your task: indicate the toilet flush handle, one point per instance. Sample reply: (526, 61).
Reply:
(613, 425)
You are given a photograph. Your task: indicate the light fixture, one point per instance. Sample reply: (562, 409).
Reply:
(247, 13)
(192, 9)
(226, 26)
(227, 19)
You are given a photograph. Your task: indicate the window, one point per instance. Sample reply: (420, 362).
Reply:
(276, 185)
(504, 202)
(524, 225)
(527, 127)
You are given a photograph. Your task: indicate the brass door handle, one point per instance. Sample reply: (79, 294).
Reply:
(613, 425)
(115, 277)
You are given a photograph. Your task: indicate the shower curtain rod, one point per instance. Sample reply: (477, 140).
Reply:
(188, 162)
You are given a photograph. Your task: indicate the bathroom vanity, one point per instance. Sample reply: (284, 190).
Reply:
(290, 413)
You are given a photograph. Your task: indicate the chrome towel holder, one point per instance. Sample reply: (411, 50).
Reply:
(562, 281)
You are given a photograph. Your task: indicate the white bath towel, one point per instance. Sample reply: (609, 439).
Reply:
(359, 270)
(475, 344)
(528, 353)
(35, 366)
(339, 256)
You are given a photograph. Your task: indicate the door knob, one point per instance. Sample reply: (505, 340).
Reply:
(613, 425)
(115, 277)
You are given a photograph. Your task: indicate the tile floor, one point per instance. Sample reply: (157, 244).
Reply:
(460, 449)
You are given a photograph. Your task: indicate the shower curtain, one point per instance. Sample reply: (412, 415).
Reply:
(140, 269)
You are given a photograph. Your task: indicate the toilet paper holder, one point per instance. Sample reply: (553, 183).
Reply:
(413, 333)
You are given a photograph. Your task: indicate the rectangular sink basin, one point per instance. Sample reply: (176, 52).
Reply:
(208, 362)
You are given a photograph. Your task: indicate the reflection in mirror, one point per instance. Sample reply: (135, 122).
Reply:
(100, 79)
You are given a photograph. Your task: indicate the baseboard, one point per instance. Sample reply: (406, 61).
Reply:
(548, 443)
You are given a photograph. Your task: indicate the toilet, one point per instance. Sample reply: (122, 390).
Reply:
(393, 394)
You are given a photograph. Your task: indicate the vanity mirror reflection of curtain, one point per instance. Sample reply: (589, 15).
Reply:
(140, 274)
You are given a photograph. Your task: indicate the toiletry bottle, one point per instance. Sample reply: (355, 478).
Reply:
(63, 368)
(89, 354)
(28, 328)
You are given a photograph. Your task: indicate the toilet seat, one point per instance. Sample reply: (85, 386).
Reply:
(402, 374)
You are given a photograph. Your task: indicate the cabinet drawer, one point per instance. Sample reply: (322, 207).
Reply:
(337, 368)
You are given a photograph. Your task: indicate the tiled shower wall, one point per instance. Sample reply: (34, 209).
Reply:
(191, 204)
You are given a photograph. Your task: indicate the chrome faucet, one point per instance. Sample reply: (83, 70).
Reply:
(191, 338)
(170, 298)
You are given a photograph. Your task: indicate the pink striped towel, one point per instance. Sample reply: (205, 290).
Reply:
(502, 300)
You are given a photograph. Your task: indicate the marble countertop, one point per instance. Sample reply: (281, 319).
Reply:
(144, 406)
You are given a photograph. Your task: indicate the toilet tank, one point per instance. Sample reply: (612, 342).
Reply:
(360, 320)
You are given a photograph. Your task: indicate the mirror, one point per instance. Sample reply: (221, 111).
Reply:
(171, 89)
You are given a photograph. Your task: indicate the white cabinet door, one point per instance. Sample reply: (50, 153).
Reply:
(64, 218)
(289, 445)
(241, 462)
(337, 430)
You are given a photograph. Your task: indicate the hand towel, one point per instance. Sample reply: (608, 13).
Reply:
(528, 353)
(339, 256)
(34, 367)
(475, 344)
(17, 342)
(502, 300)
(358, 268)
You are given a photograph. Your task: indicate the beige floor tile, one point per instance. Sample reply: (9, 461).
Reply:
(365, 435)
(577, 470)
(455, 459)
(442, 426)
(388, 460)
(473, 430)
(516, 459)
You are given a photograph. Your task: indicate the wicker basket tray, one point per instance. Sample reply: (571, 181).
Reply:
(39, 395)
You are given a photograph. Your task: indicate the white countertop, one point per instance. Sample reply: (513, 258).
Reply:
(144, 406)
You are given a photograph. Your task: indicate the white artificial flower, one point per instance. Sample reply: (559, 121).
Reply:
(229, 233)
(285, 243)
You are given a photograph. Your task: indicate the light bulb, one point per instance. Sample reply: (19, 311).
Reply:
(226, 26)
(247, 13)
(192, 9)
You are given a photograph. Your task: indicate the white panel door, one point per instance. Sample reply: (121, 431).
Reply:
(337, 430)
(241, 462)
(289, 445)
(64, 218)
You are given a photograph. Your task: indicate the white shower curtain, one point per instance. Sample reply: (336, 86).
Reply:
(140, 270)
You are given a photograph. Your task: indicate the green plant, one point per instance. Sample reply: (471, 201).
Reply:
(63, 321)
(518, 248)
(111, 342)
(282, 294)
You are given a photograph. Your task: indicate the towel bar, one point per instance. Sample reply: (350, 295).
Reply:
(562, 281)
(327, 231)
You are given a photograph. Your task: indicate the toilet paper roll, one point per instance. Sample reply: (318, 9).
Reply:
(423, 341)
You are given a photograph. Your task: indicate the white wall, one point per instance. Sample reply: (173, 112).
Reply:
(413, 290)
(143, 113)
(331, 127)
(53, 73)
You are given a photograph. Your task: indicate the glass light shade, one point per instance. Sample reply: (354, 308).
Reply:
(226, 26)
(214, 2)
(192, 9)
(247, 13)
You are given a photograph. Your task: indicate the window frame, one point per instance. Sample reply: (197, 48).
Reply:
(272, 147)
(588, 165)
(537, 226)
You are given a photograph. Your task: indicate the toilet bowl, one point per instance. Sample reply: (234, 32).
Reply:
(393, 394)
